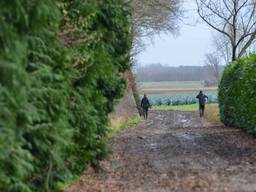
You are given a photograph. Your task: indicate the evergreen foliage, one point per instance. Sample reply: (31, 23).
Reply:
(61, 66)
(237, 93)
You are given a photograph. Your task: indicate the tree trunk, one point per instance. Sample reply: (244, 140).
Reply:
(234, 54)
(135, 92)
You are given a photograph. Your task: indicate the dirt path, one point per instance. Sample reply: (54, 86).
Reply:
(175, 151)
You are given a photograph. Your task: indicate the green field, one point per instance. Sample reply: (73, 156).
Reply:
(172, 88)
(193, 107)
(172, 84)
(211, 111)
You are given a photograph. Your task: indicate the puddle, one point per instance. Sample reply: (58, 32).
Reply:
(149, 123)
(153, 145)
(183, 120)
(159, 117)
(187, 136)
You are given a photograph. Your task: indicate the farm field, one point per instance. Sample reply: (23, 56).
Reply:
(172, 88)
(180, 99)
(176, 93)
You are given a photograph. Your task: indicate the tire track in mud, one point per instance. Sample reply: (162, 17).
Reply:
(175, 151)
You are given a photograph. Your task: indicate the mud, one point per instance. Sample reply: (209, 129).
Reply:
(175, 151)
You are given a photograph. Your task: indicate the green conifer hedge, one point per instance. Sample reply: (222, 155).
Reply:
(61, 66)
(237, 94)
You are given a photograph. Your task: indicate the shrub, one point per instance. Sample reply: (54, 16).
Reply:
(237, 93)
(61, 65)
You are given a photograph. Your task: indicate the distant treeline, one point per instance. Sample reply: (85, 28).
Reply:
(158, 72)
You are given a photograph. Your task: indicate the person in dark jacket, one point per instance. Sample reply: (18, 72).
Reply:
(145, 105)
(202, 100)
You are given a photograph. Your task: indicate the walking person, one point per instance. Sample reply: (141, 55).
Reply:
(202, 100)
(145, 105)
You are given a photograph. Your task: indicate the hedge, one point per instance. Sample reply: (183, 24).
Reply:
(61, 66)
(237, 94)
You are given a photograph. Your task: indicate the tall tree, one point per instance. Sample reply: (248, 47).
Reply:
(212, 62)
(222, 48)
(150, 17)
(235, 19)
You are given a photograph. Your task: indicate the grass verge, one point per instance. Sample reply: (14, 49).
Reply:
(119, 124)
(193, 107)
(211, 111)
(212, 114)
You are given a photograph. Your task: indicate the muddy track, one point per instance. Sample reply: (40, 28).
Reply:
(175, 151)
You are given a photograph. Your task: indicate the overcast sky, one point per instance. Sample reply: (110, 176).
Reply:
(188, 48)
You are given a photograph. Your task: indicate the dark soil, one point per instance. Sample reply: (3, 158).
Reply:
(175, 151)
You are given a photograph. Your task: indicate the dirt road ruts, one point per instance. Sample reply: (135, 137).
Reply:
(175, 151)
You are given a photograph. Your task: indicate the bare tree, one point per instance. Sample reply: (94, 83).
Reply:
(212, 62)
(150, 17)
(135, 92)
(235, 19)
(222, 49)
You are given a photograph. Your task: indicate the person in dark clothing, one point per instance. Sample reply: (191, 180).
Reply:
(202, 100)
(145, 105)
